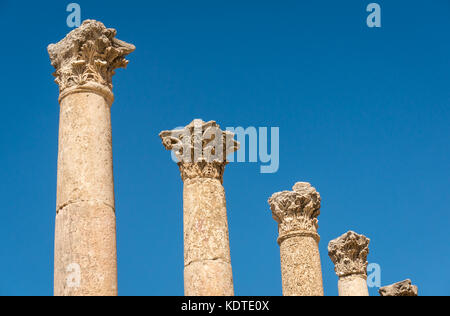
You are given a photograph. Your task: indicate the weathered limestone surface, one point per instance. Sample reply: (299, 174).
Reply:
(404, 288)
(349, 254)
(85, 222)
(353, 285)
(86, 236)
(201, 149)
(296, 213)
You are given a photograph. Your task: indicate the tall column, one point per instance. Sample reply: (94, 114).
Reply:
(404, 288)
(201, 149)
(85, 236)
(296, 213)
(349, 255)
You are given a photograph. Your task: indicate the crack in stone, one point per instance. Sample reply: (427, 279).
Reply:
(63, 206)
(207, 260)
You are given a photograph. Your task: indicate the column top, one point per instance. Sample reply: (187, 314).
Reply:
(201, 149)
(404, 288)
(86, 59)
(296, 211)
(349, 254)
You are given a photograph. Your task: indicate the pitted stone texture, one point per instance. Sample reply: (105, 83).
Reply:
(349, 254)
(404, 288)
(208, 278)
(85, 223)
(353, 285)
(205, 221)
(85, 165)
(296, 214)
(201, 148)
(206, 243)
(301, 267)
(87, 57)
(86, 238)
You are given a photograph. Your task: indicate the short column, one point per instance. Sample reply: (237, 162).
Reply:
(201, 149)
(296, 213)
(349, 255)
(404, 288)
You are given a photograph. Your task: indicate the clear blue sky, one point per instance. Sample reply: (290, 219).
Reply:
(363, 114)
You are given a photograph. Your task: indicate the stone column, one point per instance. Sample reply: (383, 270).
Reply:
(296, 213)
(404, 288)
(349, 255)
(85, 237)
(201, 149)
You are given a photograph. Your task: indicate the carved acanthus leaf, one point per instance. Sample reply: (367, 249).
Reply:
(201, 148)
(202, 169)
(349, 254)
(90, 53)
(297, 210)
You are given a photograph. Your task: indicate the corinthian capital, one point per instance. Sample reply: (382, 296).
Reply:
(404, 288)
(87, 58)
(349, 254)
(296, 211)
(201, 148)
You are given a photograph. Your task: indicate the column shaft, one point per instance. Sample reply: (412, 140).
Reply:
(300, 267)
(353, 285)
(207, 269)
(201, 149)
(85, 222)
